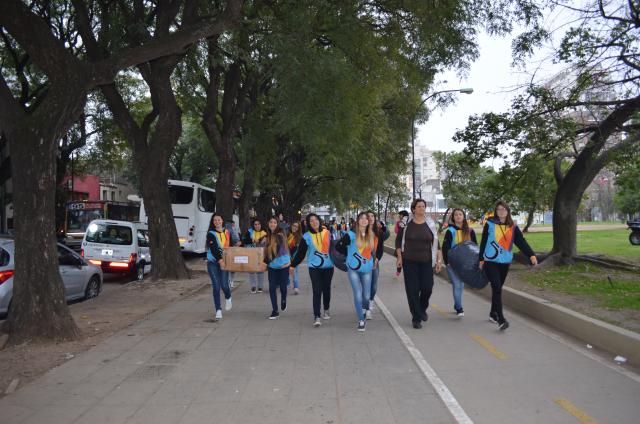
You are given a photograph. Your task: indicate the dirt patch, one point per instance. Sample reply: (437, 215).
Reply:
(118, 306)
(625, 318)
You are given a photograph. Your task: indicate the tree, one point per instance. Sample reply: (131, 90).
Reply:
(39, 310)
(627, 199)
(587, 114)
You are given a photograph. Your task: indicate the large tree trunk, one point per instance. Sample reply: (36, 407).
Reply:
(245, 199)
(38, 309)
(225, 183)
(530, 212)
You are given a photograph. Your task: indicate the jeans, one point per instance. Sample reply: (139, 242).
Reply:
(219, 279)
(256, 279)
(278, 278)
(496, 273)
(458, 286)
(361, 286)
(418, 283)
(374, 281)
(296, 281)
(321, 285)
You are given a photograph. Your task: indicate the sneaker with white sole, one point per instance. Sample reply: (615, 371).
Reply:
(253, 290)
(218, 314)
(274, 315)
(317, 322)
(227, 305)
(371, 305)
(503, 325)
(367, 314)
(493, 318)
(326, 315)
(259, 289)
(283, 305)
(360, 325)
(460, 313)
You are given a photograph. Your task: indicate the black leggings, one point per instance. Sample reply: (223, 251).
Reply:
(418, 283)
(321, 285)
(496, 273)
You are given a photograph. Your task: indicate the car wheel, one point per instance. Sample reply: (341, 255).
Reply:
(93, 288)
(634, 238)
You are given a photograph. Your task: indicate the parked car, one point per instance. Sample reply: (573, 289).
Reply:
(118, 247)
(634, 226)
(81, 279)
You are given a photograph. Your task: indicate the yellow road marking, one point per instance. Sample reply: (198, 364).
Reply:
(488, 346)
(575, 411)
(439, 309)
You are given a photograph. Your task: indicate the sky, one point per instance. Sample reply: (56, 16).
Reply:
(494, 81)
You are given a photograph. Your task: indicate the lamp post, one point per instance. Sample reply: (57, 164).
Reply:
(413, 130)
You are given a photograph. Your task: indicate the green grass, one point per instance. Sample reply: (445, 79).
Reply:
(614, 243)
(591, 281)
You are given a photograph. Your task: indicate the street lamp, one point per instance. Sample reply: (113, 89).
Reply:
(413, 130)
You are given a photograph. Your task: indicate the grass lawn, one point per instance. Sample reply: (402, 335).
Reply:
(614, 243)
(623, 292)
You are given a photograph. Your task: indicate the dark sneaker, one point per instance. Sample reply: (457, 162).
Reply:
(253, 290)
(417, 324)
(283, 305)
(460, 313)
(503, 325)
(274, 315)
(424, 317)
(360, 325)
(493, 318)
(259, 290)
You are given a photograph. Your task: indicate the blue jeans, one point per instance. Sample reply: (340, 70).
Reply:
(361, 286)
(458, 286)
(278, 278)
(219, 279)
(296, 281)
(256, 279)
(374, 281)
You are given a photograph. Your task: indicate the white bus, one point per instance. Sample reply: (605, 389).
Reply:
(192, 205)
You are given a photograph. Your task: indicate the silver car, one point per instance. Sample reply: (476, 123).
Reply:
(81, 279)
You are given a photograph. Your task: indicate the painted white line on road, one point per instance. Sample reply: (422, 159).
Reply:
(441, 389)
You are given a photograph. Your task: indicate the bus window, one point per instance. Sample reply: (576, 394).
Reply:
(207, 201)
(123, 212)
(77, 220)
(180, 195)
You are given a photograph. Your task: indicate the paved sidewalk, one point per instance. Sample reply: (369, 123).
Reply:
(175, 368)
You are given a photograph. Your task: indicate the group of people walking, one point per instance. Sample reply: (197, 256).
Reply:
(418, 254)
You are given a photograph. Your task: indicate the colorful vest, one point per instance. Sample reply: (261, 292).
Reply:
(256, 235)
(222, 238)
(499, 243)
(318, 249)
(359, 260)
(456, 236)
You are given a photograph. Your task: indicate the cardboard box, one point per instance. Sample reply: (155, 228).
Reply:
(243, 259)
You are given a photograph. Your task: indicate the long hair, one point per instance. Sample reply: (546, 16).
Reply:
(508, 220)
(213, 227)
(466, 231)
(308, 222)
(297, 235)
(363, 241)
(276, 242)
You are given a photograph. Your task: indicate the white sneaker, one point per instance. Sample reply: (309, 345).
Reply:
(218, 314)
(325, 314)
(227, 305)
(317, 322)
(368, 313)
(371, 305)
(360, 325)
(231, 284)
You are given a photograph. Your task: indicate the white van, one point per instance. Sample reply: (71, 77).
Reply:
(118, 247)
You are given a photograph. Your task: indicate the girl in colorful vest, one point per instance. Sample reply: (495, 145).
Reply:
(456, 232)
(315, 245)
(418, 254)
(380, 234)
(255, 237)
(218, 239)
(499, 235)
(277, 259)
(359, 244)
(293, 241)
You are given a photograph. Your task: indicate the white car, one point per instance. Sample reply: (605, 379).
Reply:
(81, 279)
(118, 247)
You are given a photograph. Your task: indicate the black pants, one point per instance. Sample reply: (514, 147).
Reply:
(321, 285)
(496, 273)
(418, 283)
(278, 278)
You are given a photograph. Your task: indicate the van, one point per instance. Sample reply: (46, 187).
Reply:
(118, 247)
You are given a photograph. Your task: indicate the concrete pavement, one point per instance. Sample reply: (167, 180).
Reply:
(175, 368)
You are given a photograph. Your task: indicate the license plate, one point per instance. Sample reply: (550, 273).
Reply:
(108, 252)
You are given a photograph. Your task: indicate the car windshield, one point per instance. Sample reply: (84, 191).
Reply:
(109, 234)
(79, 219)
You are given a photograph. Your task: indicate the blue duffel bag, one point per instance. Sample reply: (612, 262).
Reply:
(463, 259)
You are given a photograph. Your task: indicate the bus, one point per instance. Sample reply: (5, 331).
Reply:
(192, 205)
(78, 215)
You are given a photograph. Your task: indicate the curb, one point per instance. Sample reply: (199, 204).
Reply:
(605, 336)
